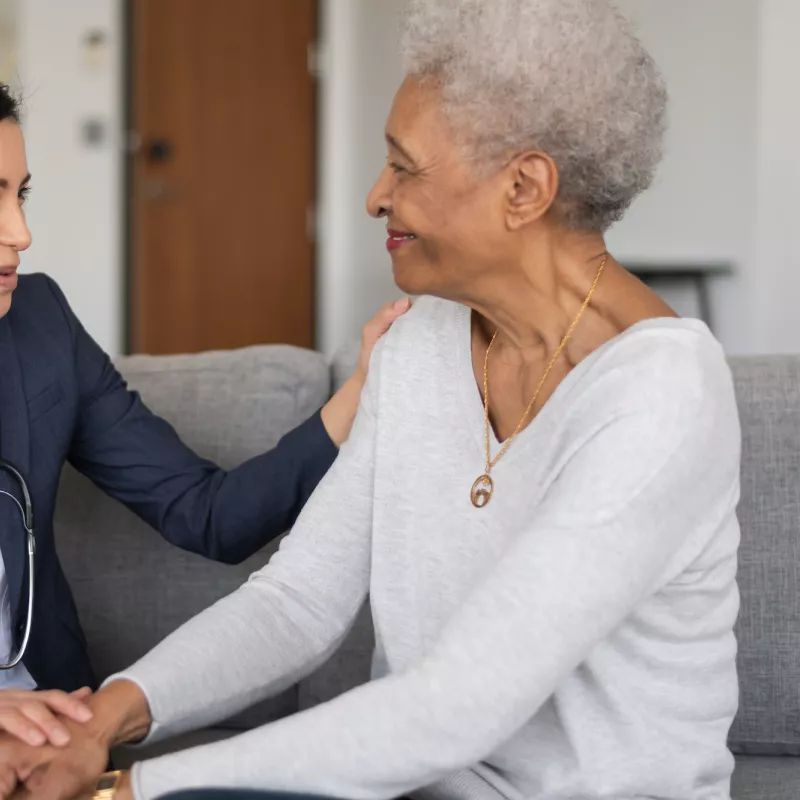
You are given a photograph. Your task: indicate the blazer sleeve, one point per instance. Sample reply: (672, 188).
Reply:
(138, 458)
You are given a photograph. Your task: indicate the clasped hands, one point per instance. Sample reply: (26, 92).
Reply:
(50, 748)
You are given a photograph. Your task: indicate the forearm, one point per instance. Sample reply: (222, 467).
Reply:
(246, 648)
(384, 739)
(138, 459)
(283, 622)
(377, 741)
(340, 411)
(261, 499)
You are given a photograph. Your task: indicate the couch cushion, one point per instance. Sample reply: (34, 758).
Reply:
(766, 778)
(768, 629)
(131, 587)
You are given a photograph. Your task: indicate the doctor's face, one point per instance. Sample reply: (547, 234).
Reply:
(14, 184)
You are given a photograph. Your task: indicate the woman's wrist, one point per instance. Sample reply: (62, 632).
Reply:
(120, 713)
(125, 789)
(340, 411)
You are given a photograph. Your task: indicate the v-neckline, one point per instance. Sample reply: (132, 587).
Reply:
(472, 400)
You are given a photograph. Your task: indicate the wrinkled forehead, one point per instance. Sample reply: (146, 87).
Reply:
(416, 96)
(417, 114)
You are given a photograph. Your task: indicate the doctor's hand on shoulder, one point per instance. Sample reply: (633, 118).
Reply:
(339, 413)
(33, 717)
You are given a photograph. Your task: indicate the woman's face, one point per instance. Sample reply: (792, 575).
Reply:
(446, 228)
(14, 234)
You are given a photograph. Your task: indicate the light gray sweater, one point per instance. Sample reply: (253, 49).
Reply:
(573, 639)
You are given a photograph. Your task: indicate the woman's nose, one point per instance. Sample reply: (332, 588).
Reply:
(379, 200)
(14, 231)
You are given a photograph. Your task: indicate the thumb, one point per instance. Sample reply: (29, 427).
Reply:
(401, 306)
(389, 314)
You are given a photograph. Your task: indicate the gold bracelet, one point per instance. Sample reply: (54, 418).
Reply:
(107, 785)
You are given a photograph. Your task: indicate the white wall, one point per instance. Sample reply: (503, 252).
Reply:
(727, 189)
(360, 75)
(703, 205)
(776, 273)
(75, 210)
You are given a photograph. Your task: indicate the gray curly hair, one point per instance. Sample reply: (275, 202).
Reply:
(565, 77)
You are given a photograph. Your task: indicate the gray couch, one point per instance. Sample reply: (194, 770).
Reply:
(132, 589)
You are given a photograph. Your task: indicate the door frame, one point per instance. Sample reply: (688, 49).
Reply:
(129, 150)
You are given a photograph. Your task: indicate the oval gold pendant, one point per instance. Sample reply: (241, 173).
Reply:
(482, 491)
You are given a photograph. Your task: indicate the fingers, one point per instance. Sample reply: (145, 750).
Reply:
(19, 794)
(63, 781)
(377, 326)
(31, 716)
(67, 704)
(8, 781)
(17, 761)
(82, 694)
(47, 725)
(15, 722)
(383, 320)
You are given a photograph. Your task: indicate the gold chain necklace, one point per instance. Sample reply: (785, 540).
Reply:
(483, 488)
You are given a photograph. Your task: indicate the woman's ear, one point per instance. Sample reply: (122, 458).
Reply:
(533, 187)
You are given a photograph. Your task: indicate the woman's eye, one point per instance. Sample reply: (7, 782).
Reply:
(396, 168)
(23, 194)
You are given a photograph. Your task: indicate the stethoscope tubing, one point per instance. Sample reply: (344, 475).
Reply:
(26, 511)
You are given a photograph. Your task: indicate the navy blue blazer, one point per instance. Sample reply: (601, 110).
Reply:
(62, 400)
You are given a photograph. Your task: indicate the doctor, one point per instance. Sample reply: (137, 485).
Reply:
(62, 400)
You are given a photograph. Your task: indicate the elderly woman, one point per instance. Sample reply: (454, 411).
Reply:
(539, 492)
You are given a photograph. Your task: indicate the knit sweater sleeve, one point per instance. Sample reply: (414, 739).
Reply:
(618, 521)
(288, 618)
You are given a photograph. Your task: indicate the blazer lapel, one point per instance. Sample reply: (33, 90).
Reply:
(14, 447)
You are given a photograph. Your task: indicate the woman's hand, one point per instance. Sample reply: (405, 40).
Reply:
(124, 791)
(120, 714)
(73, 771)
(55, 773)
(32, 717)
(17, 762)
(340, 411)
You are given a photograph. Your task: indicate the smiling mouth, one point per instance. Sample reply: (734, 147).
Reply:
(398, 239)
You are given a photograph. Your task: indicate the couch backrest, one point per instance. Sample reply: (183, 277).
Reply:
(768, 630)
(131, 587)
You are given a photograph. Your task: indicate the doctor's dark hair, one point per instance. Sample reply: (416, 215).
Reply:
(9, 105)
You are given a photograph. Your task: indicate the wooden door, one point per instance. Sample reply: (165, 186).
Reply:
(223, 174)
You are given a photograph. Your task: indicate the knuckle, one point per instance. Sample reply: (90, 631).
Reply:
(11, 716)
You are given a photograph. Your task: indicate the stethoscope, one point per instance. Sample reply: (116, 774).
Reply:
(26, 511)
